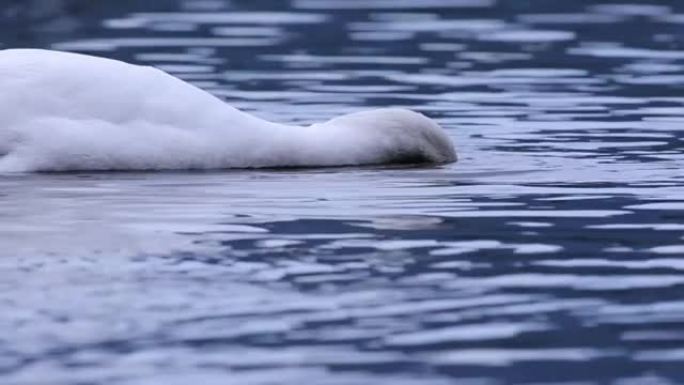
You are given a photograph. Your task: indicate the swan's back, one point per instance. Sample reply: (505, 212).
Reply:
(37, 84)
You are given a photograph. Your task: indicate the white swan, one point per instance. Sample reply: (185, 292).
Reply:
(64, 112)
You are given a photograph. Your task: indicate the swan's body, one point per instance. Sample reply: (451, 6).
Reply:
(63, 112)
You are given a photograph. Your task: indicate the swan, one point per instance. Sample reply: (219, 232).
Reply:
(64, 111)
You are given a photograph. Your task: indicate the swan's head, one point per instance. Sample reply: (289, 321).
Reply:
(398, 135)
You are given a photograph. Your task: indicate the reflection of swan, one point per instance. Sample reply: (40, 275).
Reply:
(63, 111)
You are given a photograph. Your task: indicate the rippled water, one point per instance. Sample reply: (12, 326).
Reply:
(551, 253)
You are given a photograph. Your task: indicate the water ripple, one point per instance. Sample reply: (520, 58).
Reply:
(552, 246)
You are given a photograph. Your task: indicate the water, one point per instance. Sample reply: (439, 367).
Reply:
(550, 253)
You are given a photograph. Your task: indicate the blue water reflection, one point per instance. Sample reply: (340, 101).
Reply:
(551, 253)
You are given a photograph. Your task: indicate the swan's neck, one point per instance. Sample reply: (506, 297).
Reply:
(268, 144)
(318, 145)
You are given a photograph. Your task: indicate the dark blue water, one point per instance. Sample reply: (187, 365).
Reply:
(552, 252)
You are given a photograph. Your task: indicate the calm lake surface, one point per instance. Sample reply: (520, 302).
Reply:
(552, 252)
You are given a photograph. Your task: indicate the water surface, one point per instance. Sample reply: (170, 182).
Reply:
(550, 253)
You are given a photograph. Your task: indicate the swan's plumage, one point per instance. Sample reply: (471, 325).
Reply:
(63, 112)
